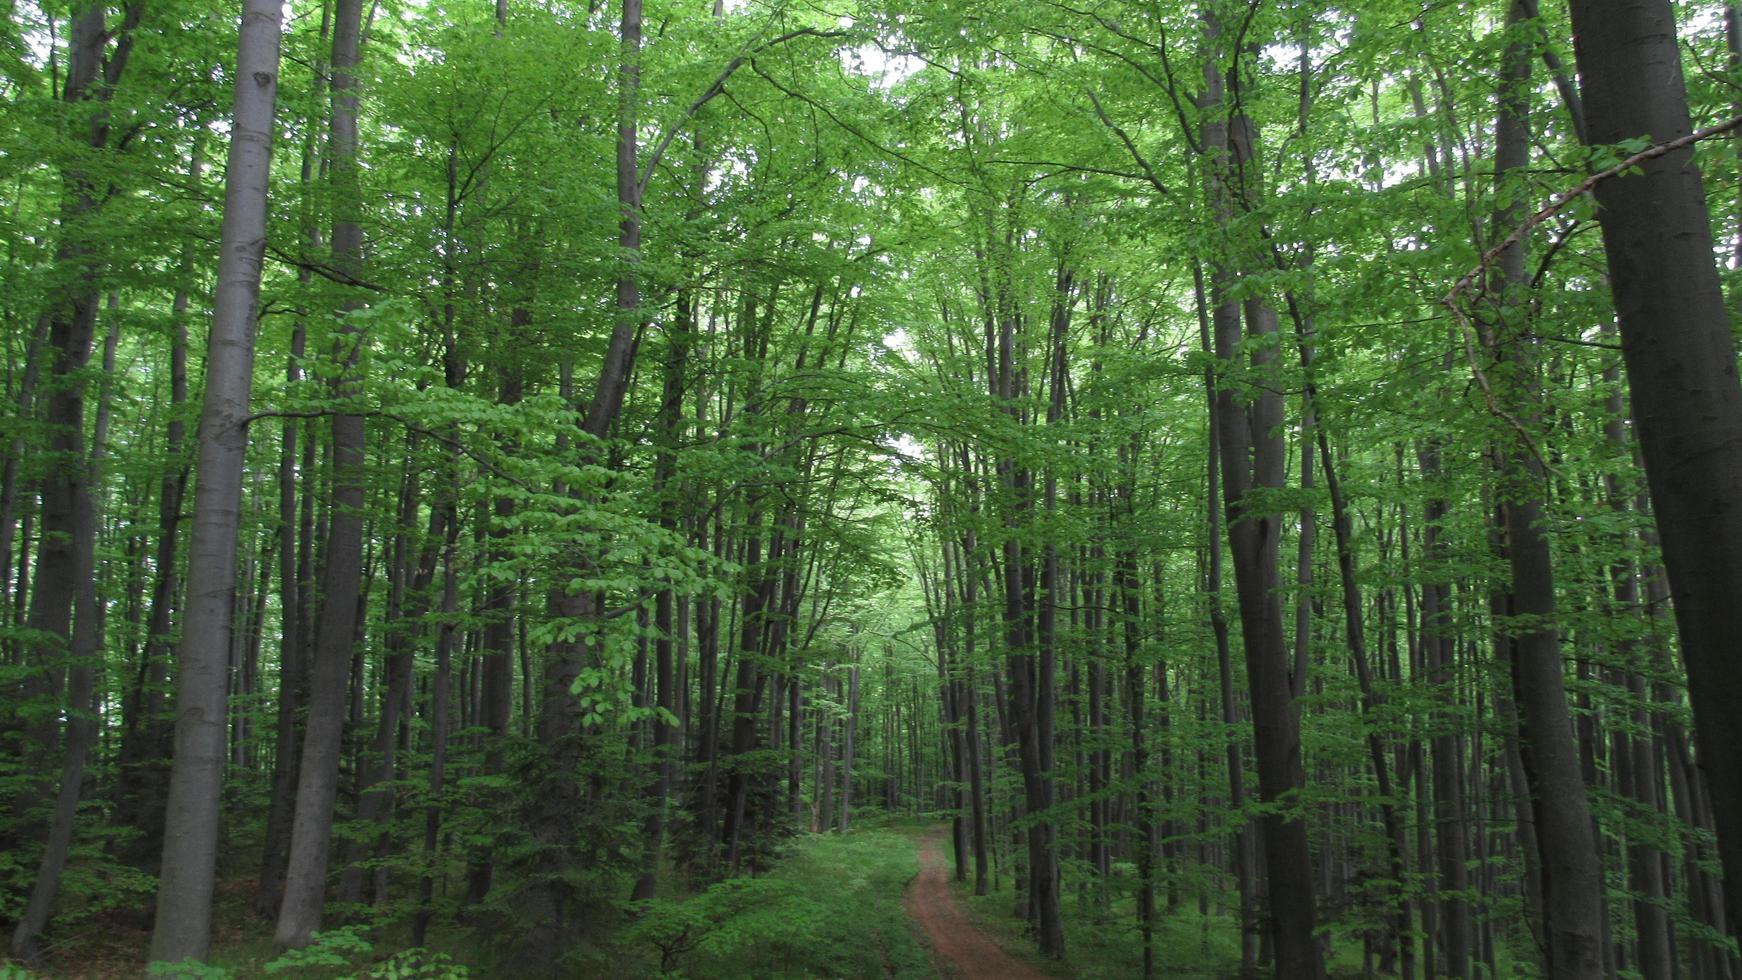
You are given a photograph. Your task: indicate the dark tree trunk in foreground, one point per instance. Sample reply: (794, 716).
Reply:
(63, 606)
(1681, 373)
(1248, 428)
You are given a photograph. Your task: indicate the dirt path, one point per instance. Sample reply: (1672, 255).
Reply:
(958, 949)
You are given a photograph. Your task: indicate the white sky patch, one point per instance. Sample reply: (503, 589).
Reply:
(899, 342)
(884, 70)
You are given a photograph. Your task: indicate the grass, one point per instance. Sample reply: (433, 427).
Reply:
(1108, 945)
(831, 909)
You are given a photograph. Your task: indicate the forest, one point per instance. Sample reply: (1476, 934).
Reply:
(873, 488)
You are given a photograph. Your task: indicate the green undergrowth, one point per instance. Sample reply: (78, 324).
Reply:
(1106, 946)
(831, 908)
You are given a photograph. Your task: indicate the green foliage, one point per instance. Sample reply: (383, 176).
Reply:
(831, 908)
(188, 970)
(328, 950)
(416, 964)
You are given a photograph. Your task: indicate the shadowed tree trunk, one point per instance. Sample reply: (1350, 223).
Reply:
(1253, 459)
(1680, 356)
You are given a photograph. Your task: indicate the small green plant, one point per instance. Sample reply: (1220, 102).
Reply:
(331, 948)
(831, 908)
(416, 964)
(188, 969)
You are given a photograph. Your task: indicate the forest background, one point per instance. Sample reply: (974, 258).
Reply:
(501, 478)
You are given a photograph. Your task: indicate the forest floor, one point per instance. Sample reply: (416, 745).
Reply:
(958, 947)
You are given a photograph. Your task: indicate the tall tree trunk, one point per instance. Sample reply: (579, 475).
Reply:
(184, 898)
(1252, 455)
(292, 663)
(1681, 369)
(1244, 852)
(92, 71)
(1572, 883)
(83, 656)
(335, 635)
(147, 730)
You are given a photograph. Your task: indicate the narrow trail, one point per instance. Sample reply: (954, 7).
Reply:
(957, 947)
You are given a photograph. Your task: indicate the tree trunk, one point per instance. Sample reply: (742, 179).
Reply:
(848, 746)
(317, 781)
(1681, 370)
(190, 845)
(83, 661)
(1244, 853)
(1572, 883)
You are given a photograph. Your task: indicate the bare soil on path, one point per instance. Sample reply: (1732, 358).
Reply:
(958, 948)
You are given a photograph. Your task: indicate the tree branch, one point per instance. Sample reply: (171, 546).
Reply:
(714, 89)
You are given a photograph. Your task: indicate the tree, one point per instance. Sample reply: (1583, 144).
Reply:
(184, 901)
(1681, 369)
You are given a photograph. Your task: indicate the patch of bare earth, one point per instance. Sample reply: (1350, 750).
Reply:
(958, 948)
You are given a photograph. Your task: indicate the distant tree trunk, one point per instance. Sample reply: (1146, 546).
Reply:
(747, 689)
(665, 741)
(497, 640)
(1681, 370)
(84, 654)
(970, 694)
(147, 730)
(292, 664)
(848, 746)
(823, 783)
(26, 402)
(1639, 769)
(1355, 628)
(438, 722)
(1037, 893)
(317, 781)
(190, 846)
(1135, 687)
(408, 602)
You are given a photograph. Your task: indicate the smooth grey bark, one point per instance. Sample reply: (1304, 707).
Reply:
(1680, 357)
(317, 781)
(190, 843)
